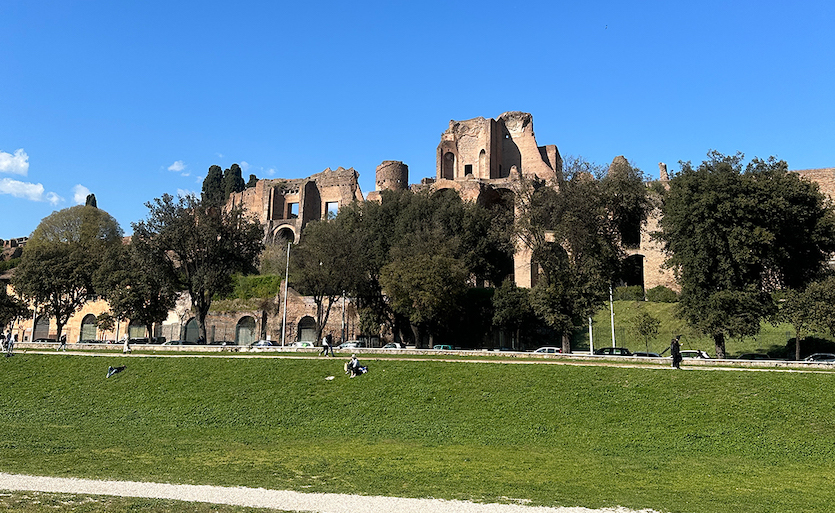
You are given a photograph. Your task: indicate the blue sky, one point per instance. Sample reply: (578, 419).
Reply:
(130, 100)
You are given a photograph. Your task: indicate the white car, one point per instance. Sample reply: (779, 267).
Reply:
(548, 350)
(302, 343)
(694, 353)
(394, 345)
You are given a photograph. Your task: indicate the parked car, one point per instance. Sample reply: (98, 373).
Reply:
(302, 343)
(694, 353)
(753, 356)
(644, 354)
(45, 340)
(351, 344)
(442, 347)
(548, 350)
(394, 345)
(263, 343)
(820, 357)
(613, 351)
(178, 343)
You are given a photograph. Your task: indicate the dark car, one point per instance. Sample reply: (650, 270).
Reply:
(753, 356)
(820, 357)
(613, 351)
(646, 355)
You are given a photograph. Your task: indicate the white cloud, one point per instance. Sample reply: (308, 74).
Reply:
(244, 166)
(271, 172)
(26, 190)
(178, 166)
(17, 163)
(79, 194)
(185, 192)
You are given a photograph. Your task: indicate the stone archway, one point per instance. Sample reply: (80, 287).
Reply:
(307, 329)
(245, 331)
(88, 328)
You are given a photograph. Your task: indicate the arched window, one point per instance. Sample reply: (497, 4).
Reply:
(88, 328)
(41, 328)
(245, 331)
(192, 330)
(448, 166)
(307, 329)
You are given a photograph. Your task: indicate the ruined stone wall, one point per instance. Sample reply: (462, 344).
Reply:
(825, 178)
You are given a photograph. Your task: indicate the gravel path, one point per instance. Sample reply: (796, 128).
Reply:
(277, 499)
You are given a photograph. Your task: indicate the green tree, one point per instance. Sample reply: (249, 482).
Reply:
(426, 287)
(253, 180)
(213, 187)
(644, 325)
(57, 268)
(324, 265)
(735, 235)
(232, 181)
(809, 310)
(573, 231)
(135, 287)
(11, 308)
(198, 246)
(512, 311)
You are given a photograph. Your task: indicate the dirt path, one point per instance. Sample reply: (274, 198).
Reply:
(275, 499)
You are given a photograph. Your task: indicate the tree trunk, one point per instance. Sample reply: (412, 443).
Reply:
(719, 343)
(797, 346)
(566, 343)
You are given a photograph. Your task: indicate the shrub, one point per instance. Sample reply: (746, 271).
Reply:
(662, 294)
(260, 286)
(633, 293)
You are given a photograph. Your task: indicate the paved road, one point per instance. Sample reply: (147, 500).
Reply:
(275, 499)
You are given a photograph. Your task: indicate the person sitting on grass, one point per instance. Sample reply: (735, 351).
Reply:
(353, 367)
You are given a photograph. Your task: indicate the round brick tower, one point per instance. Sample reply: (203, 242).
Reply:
(392, 175)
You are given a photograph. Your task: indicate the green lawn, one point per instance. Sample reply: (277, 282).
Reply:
(678, 441)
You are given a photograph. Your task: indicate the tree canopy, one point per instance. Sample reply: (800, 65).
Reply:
(61, 257)
(198, 246)
(574, 230)
(735, 234)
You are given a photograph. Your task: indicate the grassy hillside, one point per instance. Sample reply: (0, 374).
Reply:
(679, 441)
(771, 339)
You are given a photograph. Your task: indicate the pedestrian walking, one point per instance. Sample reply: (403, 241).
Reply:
(63, 344)
(330, 343)
(10, 342)
(325, 345)
(675, 351)
(125, 345)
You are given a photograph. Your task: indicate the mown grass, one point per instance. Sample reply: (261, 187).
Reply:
(686, 441)
(41, 502)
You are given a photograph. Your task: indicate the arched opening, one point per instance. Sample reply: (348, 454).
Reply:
(192, 330)
(448, 166)
(284, 235)
(245, 331)
(41, 328)
(88, 328)
(482, 165)
(307, 329)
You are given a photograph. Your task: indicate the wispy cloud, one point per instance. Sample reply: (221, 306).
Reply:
(17, 163)
(26, 190)
(271, 172)
(185, 192)
(179, 167)
(244, 166)
(79, 194)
